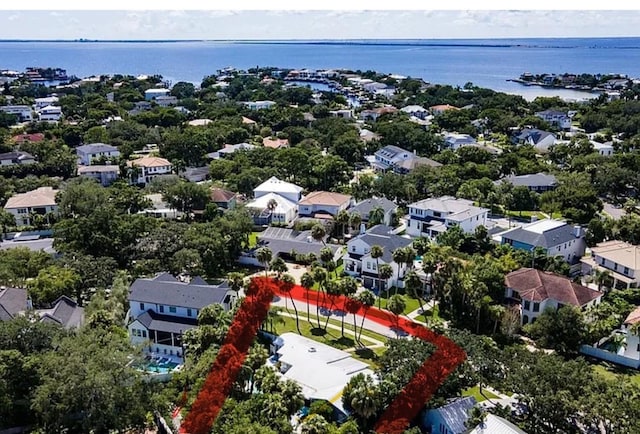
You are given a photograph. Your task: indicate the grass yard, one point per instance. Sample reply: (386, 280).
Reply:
(614, 372)
(411, 303)
(475, 392)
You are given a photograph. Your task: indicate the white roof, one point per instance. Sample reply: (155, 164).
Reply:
(320, 370)
(159, 90)
(200, 122)
(274, 185)
(493, 424)
(413, 109)
(454, 209)
(543, 226)
(599, 146)
(284, 204)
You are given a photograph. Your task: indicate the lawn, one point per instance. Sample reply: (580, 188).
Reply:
(475, 392)
(411, 303)
(613, 372)
(253, 239)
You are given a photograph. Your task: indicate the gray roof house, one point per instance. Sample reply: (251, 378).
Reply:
(16, 157)
(283, 241)
(86, 153)
(162, 308)
(399, 160)
(366, 206)
(541, 140)
(538, 182)
(449, 418)
(12, 302)
(64, 311)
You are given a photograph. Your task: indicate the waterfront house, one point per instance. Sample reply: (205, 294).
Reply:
(556, 118)
(455, 141)
(556, 237)
(536, 182)
(323, 204)
(430, 217)
(619, 258)
(40, 201)
(359, 263)
(87, 153)
(22, 112)
(16, 158)
(259, 105)
(230, 149)
(105, 175)
(151, 94)
(541, 140)
(537, 290)
(399, 160)
(450, 418)
(148, 168)
(161, 309)
(365, 207)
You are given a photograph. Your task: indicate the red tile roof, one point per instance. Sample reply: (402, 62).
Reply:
(21, 138)
(634, 317)
(536, 285)
(221, 195)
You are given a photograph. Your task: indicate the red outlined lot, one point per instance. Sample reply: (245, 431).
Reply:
(254, 310)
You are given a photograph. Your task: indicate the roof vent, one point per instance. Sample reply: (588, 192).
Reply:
(312, 349)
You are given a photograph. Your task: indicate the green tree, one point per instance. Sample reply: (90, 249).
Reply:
(264, 255)
(368, 299)
(186, 196)
(563, 330)
(53, 282)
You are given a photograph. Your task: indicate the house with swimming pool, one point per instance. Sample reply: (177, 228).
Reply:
(162, 308)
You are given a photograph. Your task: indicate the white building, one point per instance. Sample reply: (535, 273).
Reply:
(259, 105)
(39, 201)
(632, 349)
(285, 210)
(285, 189)
(16, 158)
(556, 118)
(87, 153)
(604, 149)
(166, 101)
(50, 113)
(619, 258)
(160, 209)
(416, 110)
(430, 217)
(342, 113)
(41, 103)
(151, 94)
(105, 175)
(23, 112)
(455, 141)
(149, 168)
(163, 308)
(324, 202)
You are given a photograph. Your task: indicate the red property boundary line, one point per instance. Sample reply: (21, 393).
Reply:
(430, 376)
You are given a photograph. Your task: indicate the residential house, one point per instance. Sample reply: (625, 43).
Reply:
(619, 258)
(22, 112)
(399, 160)
(358, 261)
(288, 243)
(230, 149)
(247, 121)
(367, 135)
(149, 168)
(50, 114)
(379, 89)
(632, 348)
(63, 311)
(493, 424)
(224, 198)
(541, 140)
(450, 418)
(16, 158)
(160, 209)
(87, 153)
(536, 182)
(105, 175)
(161, 309)
(276, 143)
(151, 94)
(416, 110)
(199, 122)
(259, 105)
(441, 108)
(430, 217)
(374, 114)
(537, 290)
(323, 204)
(41, 103)
(604, 149)
(272, 208)
(285, 189)
(40, 201)
(28, 138)
(455, 141)
(342, 113)
(365, 207)
(13, 302)
(167, 101)
(556, 118)
(556, 237)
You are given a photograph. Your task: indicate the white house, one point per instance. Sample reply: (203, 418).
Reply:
(632, 349)
(430, 217)
(358, 261)
(556, 118)
(342, 113)
(285, 210)
(556, 237)
(493, 424)
(105, 175)
(41, 103)
(149, 168)
(455, 141)
(39, 201)
(416, 110)
(23, 112)
(538, 290)
(604, 149)
(160, 209)
(285, 189)
(151, 94)
(230, 149)
(166, 101)
(50, 114)
(86, 153)
(259, 105)
(399, 160)
(323, 202)
(541, 140)
(619, 258)
(163, 308)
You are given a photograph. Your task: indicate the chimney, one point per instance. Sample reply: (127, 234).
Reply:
(577, 231)
(363, 228)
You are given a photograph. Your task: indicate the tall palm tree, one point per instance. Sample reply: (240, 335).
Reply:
(334, 289)
(376, 253)
(274, 317)
(376, 216)
(355, 219)
(264, 255)
(236, 282)
(343, 220)
(368, 299)
(307, 281)
(385, 272)
(279, 266)
(286, 285)
(496, 311)
(349, 287)
(399, 257)
(271, 206)
(413, 287)
(366, 402)
(318, 233)
(396, 305)
(601, 278)
(320, 276)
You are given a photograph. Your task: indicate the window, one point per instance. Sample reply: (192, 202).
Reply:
(353, 248)
(141, 306)
(436, 214)
(527, 305)
(368, 265)
(172, 309)
(189, 312)
(22, 210)
(161, 308)
(626, 270)
(615, 267)
(536, 307)
(144, 333)
(602, 261)
(375, 266)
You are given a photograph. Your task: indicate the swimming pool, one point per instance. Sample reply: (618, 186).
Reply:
(161, 365)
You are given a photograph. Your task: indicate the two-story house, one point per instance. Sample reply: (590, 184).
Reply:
(259, 105)
(163, 308)
(50, 114)
(416, 110)
(605, 149)
(430, 217)
(556, 237)
(556, 118)
(285, 189)
(40, 103)
(365, 207)
(538, 290)
(536, 182)
(541, 140)
(630, 326)
(40, 201)
(275, 201)
(399, 160)
(455, 141)
(152, 94)
(148, 168)
(358, 261)
(22, 112)
(86, 153)
(323, 204)
(619, 258)
(105, 175)
(16, 158)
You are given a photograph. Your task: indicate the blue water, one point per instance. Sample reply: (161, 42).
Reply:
(487, 63)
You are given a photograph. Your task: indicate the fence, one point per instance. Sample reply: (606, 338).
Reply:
(609, 357)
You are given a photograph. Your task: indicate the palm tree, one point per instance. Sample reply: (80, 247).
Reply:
(274, 317)
(376, 216)
(315, 424)
(279, 266)
(413, 286)
(618, 341)
(326, 255)
(366, 402)
(396, 305)
(476, 417)
(601, 278)
(496, 311)
(355, 219)
(343, 219)
(320, 276)
(399, 257)
(385, 272)
(236, 282)
(409, 256)
(286, 286)
(271, 206)
(333, 290)
(376, 253)
(264, 255)
(368, 299)
(307, 281)
(349, 287)
(318, 233)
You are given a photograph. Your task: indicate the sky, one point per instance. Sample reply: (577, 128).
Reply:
(338, 24)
